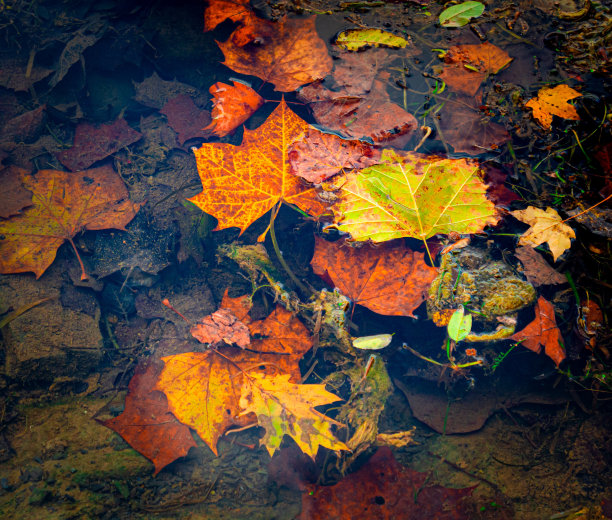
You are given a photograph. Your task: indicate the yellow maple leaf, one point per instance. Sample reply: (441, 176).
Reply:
(286, 408)
(546, 226)
(553, 102)
(241, 183)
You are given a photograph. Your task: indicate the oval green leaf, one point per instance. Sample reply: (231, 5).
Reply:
(459, 15)
(372, 342)
(459, 325)
(356, 39)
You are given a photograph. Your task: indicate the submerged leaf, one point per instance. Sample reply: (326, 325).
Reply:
(356, 39)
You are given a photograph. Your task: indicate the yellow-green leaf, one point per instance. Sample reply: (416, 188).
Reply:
(285, 408)
(356, 39)
(414, 195)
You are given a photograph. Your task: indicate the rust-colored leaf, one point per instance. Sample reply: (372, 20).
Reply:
(185, 118)
(218, 11)
(553, 102)
(318, 156)
(93, 143)
(481, 59)
(14, 196)
(64, 204)
(241, 183)
(146, 423)
(537, 270)
(389, 279)
(384, 489)
(222, 326)
(543, 332)
(233, 105)
(370, 115)
(287, 53)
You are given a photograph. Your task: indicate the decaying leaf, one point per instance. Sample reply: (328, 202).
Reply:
(390, 279)
(467, 66)
(354, 73)
(241, 183)
(14, 196)
(222, 326)
(554, 102)
(355, 39)
(232, 106)
(218, 11)
(543, 332)
(286, 408)
(384, 489)
(371, 115)
(413, 195)
(287, 53)
(146, 423)
(537, 270)
(185, 118)
(318, 156)
(546, 226)
(93, 143)
(64, 204)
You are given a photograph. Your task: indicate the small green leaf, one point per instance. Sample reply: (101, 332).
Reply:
(356, 39)
(372, 342)
(459, 15)
(459, 325)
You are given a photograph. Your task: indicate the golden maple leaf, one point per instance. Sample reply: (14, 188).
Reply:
(241, 183)
(553, 102)
(546, 226)
(286, 408)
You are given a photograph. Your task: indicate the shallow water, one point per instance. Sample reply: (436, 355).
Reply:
(532, 439)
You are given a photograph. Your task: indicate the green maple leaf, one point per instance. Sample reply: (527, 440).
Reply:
(413, 195)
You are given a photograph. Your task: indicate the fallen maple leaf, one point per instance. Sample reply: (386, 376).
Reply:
(543, 331)
(232, 106)
(537, 270)
(146, 423)
(63, 205)
(546, 226)
(318, 156)
(413, 195)
(553, 102)
(287, 53)
(384, 489)
(94, 143)
(185, 118)
(241, 183)
(286, 408)
(371, 115)
(482, 59)
(354, 73)
(218, 11)
(204, 388)
(391, 280)
(222, 326)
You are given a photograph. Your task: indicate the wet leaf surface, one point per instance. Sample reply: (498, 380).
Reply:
(186, 118)
(15, 196)
(232, 106)
(553, 102)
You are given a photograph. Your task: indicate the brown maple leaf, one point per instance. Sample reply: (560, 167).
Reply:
(222, 326)
(185, 118)
(389, 279)
(553, 102)
(64, 204)
(94, 143)
(147, 424)
(543, 331)
(370, 115)
(287, 53)
(241, 183)
(14, 196)
(318, 156)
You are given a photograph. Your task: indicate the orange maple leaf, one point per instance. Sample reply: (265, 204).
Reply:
(204, 388)
(553, 102)
(218, 11)
(389, 279)
(241, 183)
(482, 58)
(287, 53)
(233, 105)
(543, 331)
(63, 204)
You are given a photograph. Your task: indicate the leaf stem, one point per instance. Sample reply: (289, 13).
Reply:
(83, 273)
(277, 250)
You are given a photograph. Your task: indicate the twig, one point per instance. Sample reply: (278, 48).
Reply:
(468, 473)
